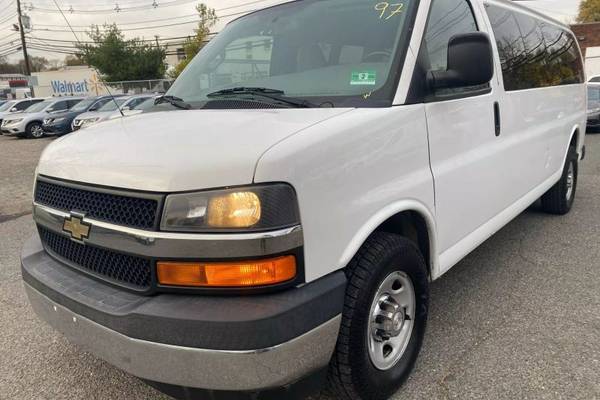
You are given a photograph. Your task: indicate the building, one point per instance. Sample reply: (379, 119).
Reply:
(588, 35)
(175, 54)
(68, 81)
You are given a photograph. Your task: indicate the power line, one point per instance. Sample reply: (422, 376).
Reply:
(113, 10)
(119, 9)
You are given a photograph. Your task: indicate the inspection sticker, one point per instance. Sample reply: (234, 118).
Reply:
(367, 78)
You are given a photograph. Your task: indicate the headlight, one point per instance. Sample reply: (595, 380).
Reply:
(253, 208)
(57, 120)
(13, 121)
(90, 120)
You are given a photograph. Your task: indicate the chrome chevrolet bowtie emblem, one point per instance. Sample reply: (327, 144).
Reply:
(75, 226)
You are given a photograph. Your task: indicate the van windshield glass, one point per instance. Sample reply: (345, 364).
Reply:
(339, 52)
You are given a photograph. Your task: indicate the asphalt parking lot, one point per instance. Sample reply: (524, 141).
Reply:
(517, 319)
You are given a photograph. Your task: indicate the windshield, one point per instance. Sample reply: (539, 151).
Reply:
(83, 105)
(7, 106)
(41, 106)
(111, 106)
(145, 105)
(336, 51)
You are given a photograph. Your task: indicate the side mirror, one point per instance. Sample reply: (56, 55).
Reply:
(14, 109)
(470, 63)
(126, 108)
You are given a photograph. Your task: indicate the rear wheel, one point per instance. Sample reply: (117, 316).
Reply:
(559, 199)
(34, 130)
(384, 319)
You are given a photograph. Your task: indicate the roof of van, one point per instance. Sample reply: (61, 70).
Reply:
(515, 4)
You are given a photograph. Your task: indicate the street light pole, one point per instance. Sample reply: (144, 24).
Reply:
(23, 43)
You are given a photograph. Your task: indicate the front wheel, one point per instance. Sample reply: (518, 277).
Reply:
(384, 319)
(34, 130)
(559, 199)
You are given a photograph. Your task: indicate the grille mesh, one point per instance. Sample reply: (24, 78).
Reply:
(121, 210)
(124, 269)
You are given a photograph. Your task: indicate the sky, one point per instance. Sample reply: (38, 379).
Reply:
(139, 18)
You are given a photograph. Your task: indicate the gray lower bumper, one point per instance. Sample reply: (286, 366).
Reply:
(184, 366)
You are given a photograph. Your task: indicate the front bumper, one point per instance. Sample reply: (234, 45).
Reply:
(58, 128)
(240, 343)
(12, 130)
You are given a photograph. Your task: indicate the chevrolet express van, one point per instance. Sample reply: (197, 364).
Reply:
(276, 221)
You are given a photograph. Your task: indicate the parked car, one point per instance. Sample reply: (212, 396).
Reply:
(144, 106)
(29, 123)
(277, 221)
(60, 124)
(110, 111)
(16, 106)
(593, 114)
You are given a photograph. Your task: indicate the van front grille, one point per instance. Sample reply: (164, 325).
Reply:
(118, 209)
(121, 269)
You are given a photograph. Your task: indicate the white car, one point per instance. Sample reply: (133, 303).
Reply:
(278, 218)
(29, 123)
(110, 110)
(12, 107)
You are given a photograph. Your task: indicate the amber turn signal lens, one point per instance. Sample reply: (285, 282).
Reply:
(228, 274)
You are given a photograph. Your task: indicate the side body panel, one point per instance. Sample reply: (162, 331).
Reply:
(351, 173)
(482, 181)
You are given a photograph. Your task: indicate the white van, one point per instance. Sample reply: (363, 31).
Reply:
(282, 213)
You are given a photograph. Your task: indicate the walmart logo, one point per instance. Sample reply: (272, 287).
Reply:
(70, 87)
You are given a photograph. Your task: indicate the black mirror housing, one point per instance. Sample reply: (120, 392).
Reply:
(470, 62)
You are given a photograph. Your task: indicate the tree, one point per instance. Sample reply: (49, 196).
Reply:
(38, 64)
(589, 11)
(192, 45)
(118, 59)
(73, 61)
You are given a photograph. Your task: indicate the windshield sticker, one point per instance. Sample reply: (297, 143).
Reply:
(388, 10)
(366, 78)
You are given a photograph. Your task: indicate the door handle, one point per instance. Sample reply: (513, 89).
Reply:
(497, 122)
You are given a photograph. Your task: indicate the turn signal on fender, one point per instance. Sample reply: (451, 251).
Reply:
(228, 274)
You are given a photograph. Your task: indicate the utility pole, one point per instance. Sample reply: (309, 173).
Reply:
(23, 43)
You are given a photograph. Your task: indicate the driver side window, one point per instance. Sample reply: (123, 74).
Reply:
(447, 18)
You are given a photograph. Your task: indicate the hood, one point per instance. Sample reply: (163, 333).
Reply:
(93, 114)
(5, 114)
(177, 150)
(65, 114)
(35, 115)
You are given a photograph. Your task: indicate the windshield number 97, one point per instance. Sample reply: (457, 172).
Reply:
(388, 10)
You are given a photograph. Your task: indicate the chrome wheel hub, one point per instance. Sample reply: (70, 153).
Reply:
(37, 131)
(391, 320)
(570, 181)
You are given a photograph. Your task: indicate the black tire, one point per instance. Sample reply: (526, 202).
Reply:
(559, 200)
(34, 130)
(352, 375)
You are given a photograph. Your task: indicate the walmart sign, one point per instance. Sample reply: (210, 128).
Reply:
(70, 87)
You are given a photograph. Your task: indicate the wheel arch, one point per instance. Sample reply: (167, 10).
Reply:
(408, 218)
(35, 121)
(576, 139)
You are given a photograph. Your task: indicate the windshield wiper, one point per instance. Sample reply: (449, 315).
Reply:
(174, 101)
(272, 94)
